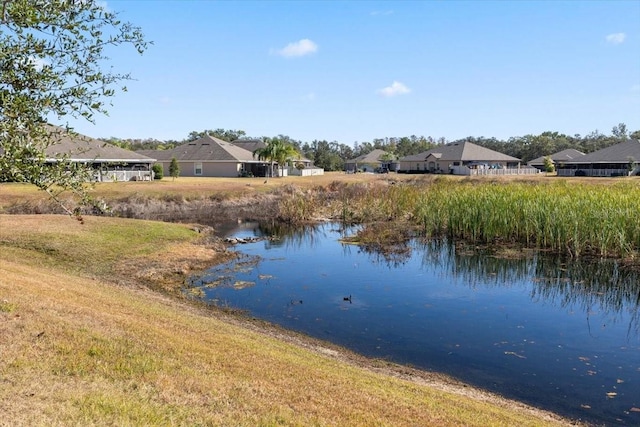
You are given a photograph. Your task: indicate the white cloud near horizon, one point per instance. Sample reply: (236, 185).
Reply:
(300, 48)
(616, 38)
(395, 89)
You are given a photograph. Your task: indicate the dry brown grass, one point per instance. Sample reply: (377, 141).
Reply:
(78, 350)
(187, 188)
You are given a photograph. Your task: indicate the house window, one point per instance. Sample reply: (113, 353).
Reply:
(197, 169)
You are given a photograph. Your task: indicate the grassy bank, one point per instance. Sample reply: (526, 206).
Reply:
(568, 216)
(82, 344)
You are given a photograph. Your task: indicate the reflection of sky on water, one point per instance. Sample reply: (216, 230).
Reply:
(560, 335)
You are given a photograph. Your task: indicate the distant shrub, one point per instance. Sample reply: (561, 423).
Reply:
(157, 171)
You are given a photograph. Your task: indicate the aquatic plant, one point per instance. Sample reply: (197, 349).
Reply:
(570, 218)
(573, 219)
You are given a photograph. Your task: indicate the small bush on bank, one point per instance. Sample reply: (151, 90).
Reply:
(158, 173)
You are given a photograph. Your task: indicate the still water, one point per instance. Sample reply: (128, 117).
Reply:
(563, 336)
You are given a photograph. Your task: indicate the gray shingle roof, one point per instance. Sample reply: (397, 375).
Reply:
(83, 148)
(563, 156)
(250, 144)
(462, 151)
(619, 153)
(255, 144)
(372, 157)
(205, 149)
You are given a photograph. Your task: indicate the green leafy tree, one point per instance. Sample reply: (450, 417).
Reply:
(268, 154)
(275, 151)
(326, 156)
(549, 166)
(285, 153)
(631, 164)
(158, 172)
(223, 134)
(52, 65)
(174, 168)
(620, 131)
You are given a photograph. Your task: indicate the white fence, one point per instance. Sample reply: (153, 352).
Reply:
(306, 172)
(120, 176)
(463, 170)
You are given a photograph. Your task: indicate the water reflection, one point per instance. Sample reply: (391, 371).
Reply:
(582, 286)
(557, 334)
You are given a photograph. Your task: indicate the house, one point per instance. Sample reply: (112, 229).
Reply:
(372, 161)
(463, 158)
(212, 157)
(557, 158)
(301, 166)
(108, 162)
(622, 159)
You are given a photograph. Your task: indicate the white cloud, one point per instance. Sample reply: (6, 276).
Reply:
(396, 88)
(616, 38)
(300, 48)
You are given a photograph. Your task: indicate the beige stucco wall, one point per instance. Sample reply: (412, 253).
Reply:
(210, 169)
(221, 169)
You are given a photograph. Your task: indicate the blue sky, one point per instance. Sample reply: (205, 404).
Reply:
(359, 70)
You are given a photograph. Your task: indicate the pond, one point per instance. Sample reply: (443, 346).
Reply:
(563, 336)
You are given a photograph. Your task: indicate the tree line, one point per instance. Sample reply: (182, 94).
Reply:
(332, 156)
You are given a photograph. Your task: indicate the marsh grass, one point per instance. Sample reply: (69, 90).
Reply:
(569, 219)
(573, 219)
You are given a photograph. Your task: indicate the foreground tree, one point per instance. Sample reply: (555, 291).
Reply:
(52, 65)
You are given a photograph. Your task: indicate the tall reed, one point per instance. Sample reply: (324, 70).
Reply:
(563, 216)
(568, 218)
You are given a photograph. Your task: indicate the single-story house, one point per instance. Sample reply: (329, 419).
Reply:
(622, 159)
(556, 158)
(300, 166)
(375, 160)
(212, 157)
(463, 158)
(108, 162)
